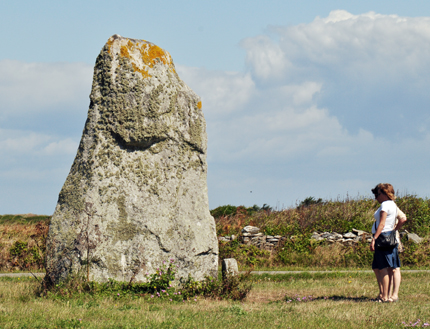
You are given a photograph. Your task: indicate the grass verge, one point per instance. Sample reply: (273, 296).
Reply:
(333, 300)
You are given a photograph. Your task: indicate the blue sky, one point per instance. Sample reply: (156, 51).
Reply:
(310, 98)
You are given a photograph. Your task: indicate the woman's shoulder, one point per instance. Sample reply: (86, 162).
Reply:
(388, 205)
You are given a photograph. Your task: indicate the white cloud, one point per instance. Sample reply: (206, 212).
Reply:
(356, 38)
(301, 94)
(19, 143)
(42, 87)
(221, 92)
(266, 58)
(67, 146)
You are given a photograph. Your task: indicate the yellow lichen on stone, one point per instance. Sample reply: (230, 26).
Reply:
(199, 105)
(124, 52)
(144, 73)
(151, 54)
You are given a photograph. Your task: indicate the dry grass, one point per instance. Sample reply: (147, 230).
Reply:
(265, 307)
(32, 239)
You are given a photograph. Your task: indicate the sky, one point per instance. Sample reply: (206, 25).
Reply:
(311, 98)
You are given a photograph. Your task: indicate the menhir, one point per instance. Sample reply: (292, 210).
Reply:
(136, 194)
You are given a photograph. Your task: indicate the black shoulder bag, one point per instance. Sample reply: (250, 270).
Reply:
(386, 241)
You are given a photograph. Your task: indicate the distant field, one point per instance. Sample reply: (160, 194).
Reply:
(23, 219)
(335, 300)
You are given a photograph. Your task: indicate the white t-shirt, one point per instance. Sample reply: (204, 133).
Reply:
(391, 209)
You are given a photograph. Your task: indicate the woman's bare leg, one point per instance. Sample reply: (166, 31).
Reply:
(385, 281)
(390, 285)
(397, 278)
(378, 278)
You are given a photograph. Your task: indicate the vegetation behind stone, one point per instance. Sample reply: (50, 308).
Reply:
(315, 215)
(332, 215)
(22, 238)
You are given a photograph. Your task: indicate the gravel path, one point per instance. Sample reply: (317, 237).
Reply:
(21, 274)
(312, 272)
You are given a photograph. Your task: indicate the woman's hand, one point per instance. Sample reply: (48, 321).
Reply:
(372, 245)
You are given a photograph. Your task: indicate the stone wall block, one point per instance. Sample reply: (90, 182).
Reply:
(414, 238)
(229, 266)
(250, 229)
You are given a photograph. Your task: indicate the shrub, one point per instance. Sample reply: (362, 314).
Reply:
(230, 286)
(309, 201)
(247, 255)
(227, 210)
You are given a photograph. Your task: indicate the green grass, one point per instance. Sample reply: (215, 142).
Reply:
(339, 300)
(23, 219)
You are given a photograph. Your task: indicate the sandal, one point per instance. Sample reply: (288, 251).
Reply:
(377, 299)
(391, 300)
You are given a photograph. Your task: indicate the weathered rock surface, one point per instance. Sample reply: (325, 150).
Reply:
(414, 238)
(229, 266)
(136, 194)
(250, 229)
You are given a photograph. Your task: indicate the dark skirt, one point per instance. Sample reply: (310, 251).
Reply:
(386, 258)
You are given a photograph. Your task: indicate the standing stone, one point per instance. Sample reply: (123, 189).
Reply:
(136, 194)
(229, 266)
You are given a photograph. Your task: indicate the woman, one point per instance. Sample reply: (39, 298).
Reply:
(386, 263)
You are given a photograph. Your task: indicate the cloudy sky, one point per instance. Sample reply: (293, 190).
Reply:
(311, 98)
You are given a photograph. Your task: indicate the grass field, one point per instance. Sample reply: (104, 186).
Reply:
(330, 300)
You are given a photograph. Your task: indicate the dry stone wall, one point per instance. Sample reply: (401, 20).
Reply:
(251, 235)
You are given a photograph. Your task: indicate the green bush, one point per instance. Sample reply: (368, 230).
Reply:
(247, 255)
(18, 248)
(24, 256)
(230, 210)
(417, 211)
(227, 210)
(233, 287)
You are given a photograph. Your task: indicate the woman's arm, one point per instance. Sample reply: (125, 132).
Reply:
(400, 223)
(382, 220)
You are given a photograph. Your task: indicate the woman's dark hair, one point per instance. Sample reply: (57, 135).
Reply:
(385, 188)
